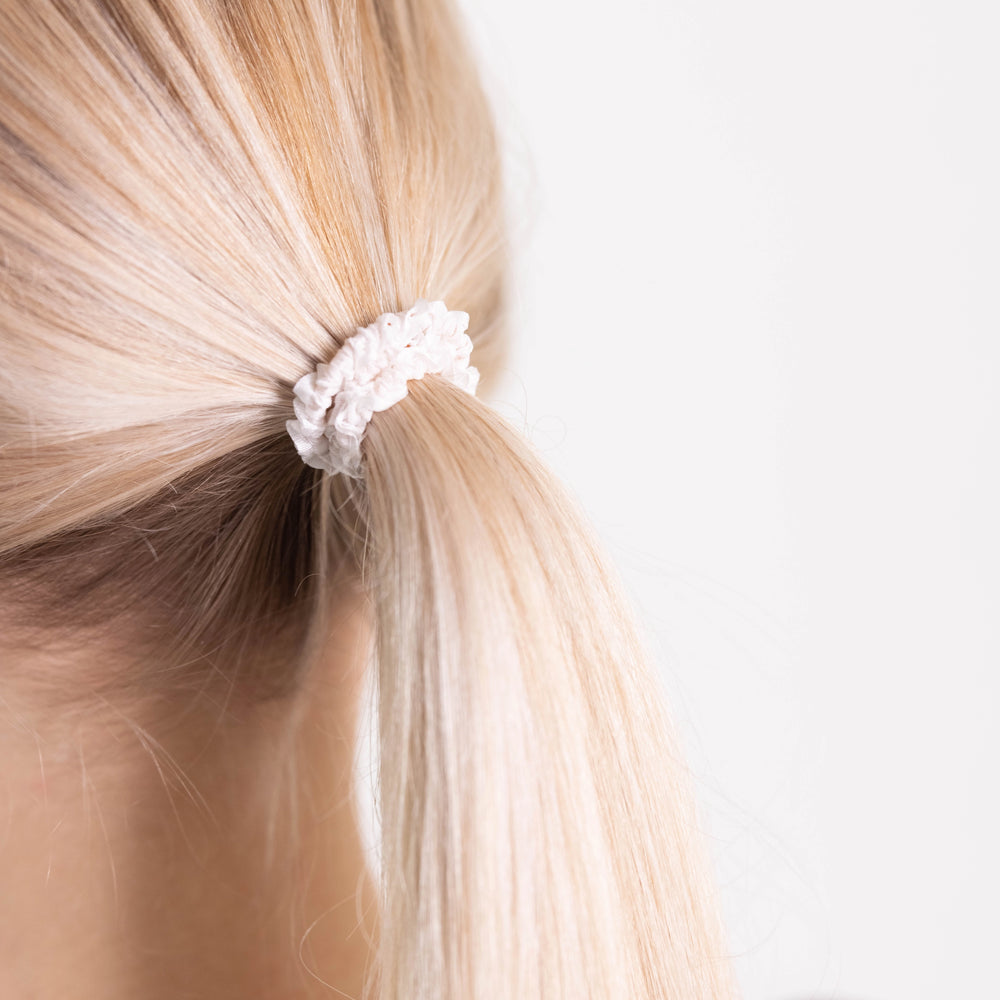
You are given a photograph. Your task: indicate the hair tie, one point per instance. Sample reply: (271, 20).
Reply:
(334, 403)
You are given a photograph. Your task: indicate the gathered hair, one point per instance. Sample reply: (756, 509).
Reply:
(199, 201)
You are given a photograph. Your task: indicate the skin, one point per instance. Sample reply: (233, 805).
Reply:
(134, 840)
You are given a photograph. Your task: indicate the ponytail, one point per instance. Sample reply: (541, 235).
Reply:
(538, 833)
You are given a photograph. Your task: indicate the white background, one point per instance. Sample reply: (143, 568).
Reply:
(758, 326)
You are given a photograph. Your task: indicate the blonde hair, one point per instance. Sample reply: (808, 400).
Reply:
(199, 200)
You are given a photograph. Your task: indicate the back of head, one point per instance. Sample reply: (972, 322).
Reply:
(199, 201)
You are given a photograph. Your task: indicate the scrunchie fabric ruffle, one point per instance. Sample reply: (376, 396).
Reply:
(334, 403)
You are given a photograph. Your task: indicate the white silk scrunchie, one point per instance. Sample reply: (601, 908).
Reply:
(334, 403)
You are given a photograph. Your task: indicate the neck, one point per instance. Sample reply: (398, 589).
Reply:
(217, 856)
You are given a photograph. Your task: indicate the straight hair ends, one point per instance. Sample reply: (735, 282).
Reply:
(539, 837)
(199, 199)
